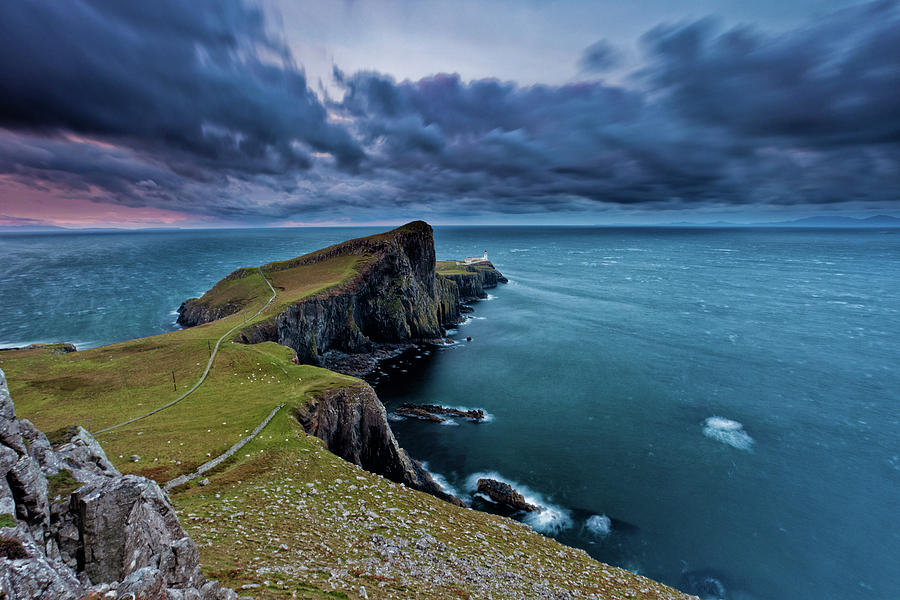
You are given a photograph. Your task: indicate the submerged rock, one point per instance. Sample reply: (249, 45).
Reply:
(503, 493)
(430, 412)
(75, 526)
(416, 412)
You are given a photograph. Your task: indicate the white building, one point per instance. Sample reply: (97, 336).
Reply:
(477, 259)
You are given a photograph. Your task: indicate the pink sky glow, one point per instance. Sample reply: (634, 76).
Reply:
(20, 204)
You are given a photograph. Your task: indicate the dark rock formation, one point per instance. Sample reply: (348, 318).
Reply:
(430, 412)
(415, 412)
(503, 493)
(195, 311)
(479, 277)
(353, 424)
(72, 526)
(57, 348)
(396, 298)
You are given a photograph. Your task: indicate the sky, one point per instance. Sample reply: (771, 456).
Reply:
(223, 113)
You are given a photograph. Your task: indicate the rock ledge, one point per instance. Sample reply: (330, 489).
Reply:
(72, 526)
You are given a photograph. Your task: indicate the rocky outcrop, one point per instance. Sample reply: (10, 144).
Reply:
(72, 526)
(477, 278)
(395, 298)
(57, 348)
(503, 493)
(433, 412)
(353, 424)
(197, 311)
(194, 312)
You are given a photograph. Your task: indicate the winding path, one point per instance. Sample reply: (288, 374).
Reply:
(209, 365)
(211, 464)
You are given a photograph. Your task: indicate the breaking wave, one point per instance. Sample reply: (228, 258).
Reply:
(551, 519)
(728, 432)
(440, 480)
(599, 525)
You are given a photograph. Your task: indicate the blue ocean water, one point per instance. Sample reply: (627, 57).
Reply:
(699, 406)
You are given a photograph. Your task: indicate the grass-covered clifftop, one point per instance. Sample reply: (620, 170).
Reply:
(285, 517)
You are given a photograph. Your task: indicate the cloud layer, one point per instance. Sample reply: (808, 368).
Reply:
(199, 108)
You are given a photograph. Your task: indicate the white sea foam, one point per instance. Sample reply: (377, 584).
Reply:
(488, 417)
(489, 297)
(440, 480)
(728, 432)
(550, 519)
(520, 249)
(599, 525)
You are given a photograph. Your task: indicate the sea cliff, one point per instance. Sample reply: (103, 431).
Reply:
(395, 297)
(318, 502)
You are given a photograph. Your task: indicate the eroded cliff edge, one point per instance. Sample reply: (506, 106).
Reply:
(71, 525)
(394, 297)
(353, 424)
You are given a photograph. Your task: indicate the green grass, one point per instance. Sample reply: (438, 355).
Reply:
(7, 520)
(104, 386)
(262, 500)
(62, 484)
(451, 267)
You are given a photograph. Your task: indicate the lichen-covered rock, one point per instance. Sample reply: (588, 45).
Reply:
(101, 531)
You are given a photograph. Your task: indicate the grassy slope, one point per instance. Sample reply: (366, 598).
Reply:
(451, 267)
(284, 513)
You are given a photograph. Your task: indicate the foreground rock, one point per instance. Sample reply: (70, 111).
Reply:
(503, 493)
(353, 424)
(431, 412)
(72, 526)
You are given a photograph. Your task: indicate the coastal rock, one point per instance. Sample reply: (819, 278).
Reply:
(353, 424)
(430, 412)
(477, 278)
(79, 526)
(503, 493)
(415, 412)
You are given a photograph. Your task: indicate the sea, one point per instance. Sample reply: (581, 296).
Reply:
(718, 409)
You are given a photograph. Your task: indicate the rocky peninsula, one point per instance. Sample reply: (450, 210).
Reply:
(319, 502)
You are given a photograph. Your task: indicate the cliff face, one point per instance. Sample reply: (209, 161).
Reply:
(196, 311)
(71, 525)
(395, 298)
(474, 281)
(353, 424)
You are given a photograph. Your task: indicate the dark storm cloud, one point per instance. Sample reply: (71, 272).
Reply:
(834, 82)
(600, 57)
(199, 85)
(713, 117)
(196, 107)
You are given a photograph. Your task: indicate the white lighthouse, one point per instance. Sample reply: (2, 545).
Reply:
(477, 259)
